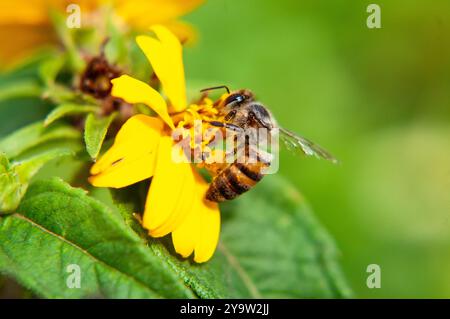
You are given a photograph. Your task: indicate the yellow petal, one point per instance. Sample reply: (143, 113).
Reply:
(199, 231)
(165, 56)
(182, 207)
(31, 17)
(135, 91)
(36, 12)
(23, 12)
(27, 23)
(209, 228)
(132, 158)
(166, 199)
(139, 13)
(185, 32)
(186, 236)
(144, 13)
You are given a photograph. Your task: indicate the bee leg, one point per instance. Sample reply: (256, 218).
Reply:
(230, 115)
(261, 118)
(227, 126)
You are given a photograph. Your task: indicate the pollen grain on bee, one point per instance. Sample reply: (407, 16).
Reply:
(210, 145)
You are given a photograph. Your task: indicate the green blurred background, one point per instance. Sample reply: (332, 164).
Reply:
(379, 99)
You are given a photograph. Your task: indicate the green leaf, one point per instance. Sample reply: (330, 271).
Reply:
(15, 177)
(116, 48)
(19, 89)
(49, 70)
(271, 247)
(17, 113)
(33, 135)
(66, 36)
(21, 92)
(28, 68)
(95, 132)
(68, 109)
(57, 226)
(99, 279)
(277, 246)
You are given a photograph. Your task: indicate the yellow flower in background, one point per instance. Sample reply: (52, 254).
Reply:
(142, 149)
(27, 22)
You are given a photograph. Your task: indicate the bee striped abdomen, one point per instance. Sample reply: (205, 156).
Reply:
(253, 171)
(234, 180)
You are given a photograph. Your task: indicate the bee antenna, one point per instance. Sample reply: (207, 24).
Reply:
(216, 88)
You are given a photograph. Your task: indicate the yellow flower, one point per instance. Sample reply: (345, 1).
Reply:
(27, 22)
(143, 148)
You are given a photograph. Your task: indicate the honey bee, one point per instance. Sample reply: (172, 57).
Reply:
(241, 111)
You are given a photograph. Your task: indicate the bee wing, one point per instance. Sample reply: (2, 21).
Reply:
(296, 143)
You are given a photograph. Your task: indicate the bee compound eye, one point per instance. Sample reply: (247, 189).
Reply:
(234, 99)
